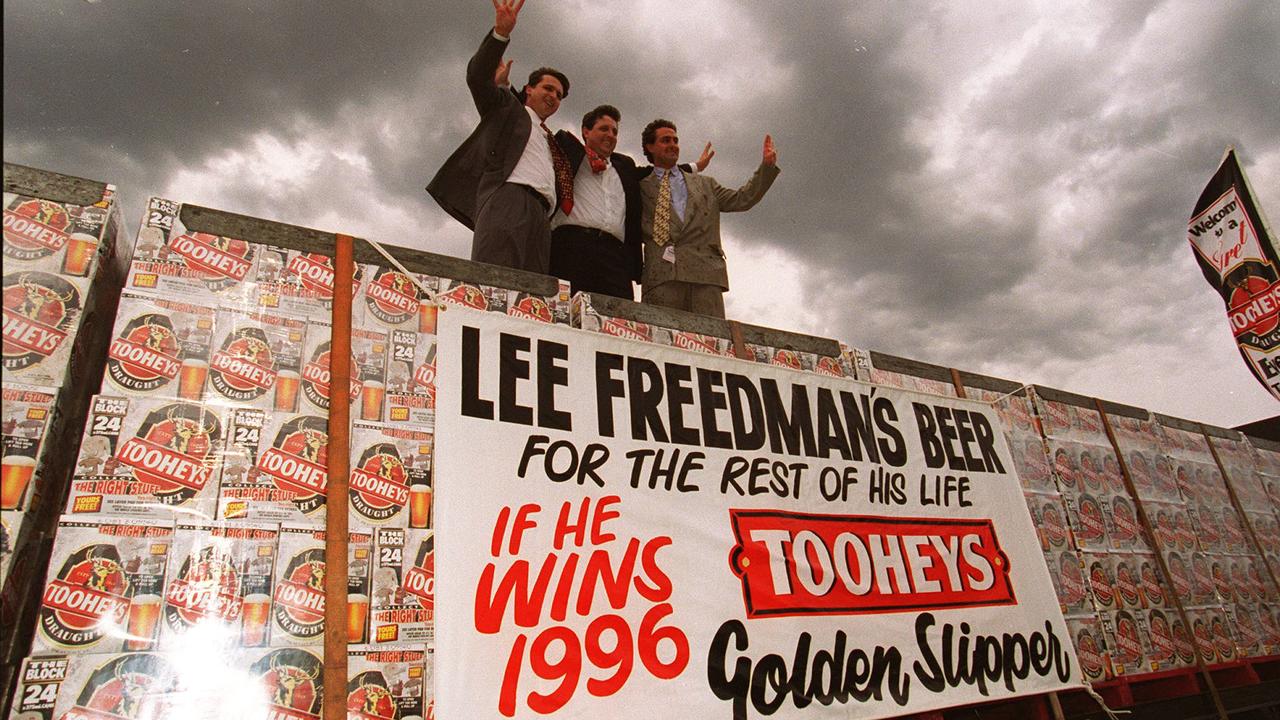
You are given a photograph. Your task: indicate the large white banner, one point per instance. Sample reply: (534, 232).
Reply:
(626, 529)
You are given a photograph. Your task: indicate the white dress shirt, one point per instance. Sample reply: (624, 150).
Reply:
(598, 201)
(534, 168)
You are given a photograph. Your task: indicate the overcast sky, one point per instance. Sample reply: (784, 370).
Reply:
(1000, 187)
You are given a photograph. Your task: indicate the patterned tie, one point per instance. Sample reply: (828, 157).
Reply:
(662, 213)
(564, 174)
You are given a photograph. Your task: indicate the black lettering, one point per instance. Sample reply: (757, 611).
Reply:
(679, 394)
(511, 367)
(551, 375)
(892, 447)
(831, 433)
(986, 444)
(710, 400)
(796, 431)
(644, 382)
(742, 391)
(472, 404)
(608, 389)
(862, 435)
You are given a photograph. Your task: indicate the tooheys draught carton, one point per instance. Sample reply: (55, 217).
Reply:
(404, 586)
(104, 586)
(284, 683)
(368, 370)
(392, 300)
(159, 347)
(297, 612)
(148, 457)
(386, 683)
(275, 466)
(390, 475)
(218, 590)
(54, 237)
(103, 686)
(301, 284)
(26, 412)
(411, 379)
(174, 262)
(476, 297)
(41, 318)
(255, 359)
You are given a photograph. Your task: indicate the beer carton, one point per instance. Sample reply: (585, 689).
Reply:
(218, 588)
(404, 586)
(693, 342)
(159, 347)
(390, 475)
(103, 590)
(275, 466)
(386, 682)
(109, 685)
(301, 284)
(411, 379)
(584, 315)
(54, 237)
(255, 359)
(392, 300)
(1090, 646)
(26, 415)
(201, 268)
(41, 319)
(298, 601)
(147, 456)
(368, 369)
(476, 297)
(533, 307)
(1126, 634)
(287, 682)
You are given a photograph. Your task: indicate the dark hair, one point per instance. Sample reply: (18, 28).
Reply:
(650, 134)
(590, 119)
(536, 75)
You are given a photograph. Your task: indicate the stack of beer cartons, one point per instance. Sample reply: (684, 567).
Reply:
(62, 272)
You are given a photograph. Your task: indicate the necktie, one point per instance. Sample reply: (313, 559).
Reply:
(564, 175)
(662, 213)
(598, 163)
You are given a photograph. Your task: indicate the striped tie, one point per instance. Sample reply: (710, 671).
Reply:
(662, 214)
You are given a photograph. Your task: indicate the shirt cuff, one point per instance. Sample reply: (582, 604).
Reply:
(499, 36)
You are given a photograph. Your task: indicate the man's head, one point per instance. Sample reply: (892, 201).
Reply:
(661, 145)
(546, 88)
(600, 129)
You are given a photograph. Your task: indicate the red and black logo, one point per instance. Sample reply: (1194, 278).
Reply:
(1052, 526)
(40, 310)
(89, 594)
(1128, 648)
(132, 686)
(1182, 645)
(244, 369)
(627, 329)
(207, 586)
(146, 355)
(174, 451)
(1071, 584)
(379, 483)
(420, 580)
(466, 296)
(1093, 528)
(1161, 635)
(1128, 586)
(1092, 662)
(1100, 581)
(1223, 643)
(297, 461)
(1124, 520)
(315, 273)
(292, 678)
(35, 228)
(220, 262)
(299, 596)
(532, 307)
(316, 375)
(369, 698)
(392, 297)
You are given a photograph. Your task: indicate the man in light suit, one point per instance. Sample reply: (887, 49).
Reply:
(504, 181)
(684, 264)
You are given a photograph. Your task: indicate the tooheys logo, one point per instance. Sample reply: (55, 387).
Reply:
(1092, 526)
(369, 699)
(1087, 649)
(1182, 530)
(1203, 637)
(1070, 579)
(145, 355)
(292, 679)
(425, 376)
(466, 296)
(1100, 583)
(316, 374)
(1161, 636)
(219, 261)
(420, 580)
(173, 451)
(1209, 532)
(1222, 640)
(392, 297)
(1059, 416)
(1051, 524)
(694, 342)
(379, 483)
(1128, 642)
(90, 590)
(132, 686)
(1201, 575)
(207, 586)
(244, 368)
(531, 308)
(829, 366)
(39, 310)
(629, 329)
(315, 274)
(34, 229)
(1125, 520)
(299, 595)
(786, 358)
(296, 460)
(1151, 586)
(1182, 646)
(1127, 583)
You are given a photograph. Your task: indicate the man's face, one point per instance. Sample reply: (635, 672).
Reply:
(544, 97)
(665, 148)
(602, 138)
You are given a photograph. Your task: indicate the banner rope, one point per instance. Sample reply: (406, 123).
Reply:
(1112, 714)
(413, 278)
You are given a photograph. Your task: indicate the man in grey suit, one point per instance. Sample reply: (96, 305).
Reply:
(684, 265)
(506, 178)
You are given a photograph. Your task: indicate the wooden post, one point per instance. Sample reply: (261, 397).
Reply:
(1165, 575)
(339, 466)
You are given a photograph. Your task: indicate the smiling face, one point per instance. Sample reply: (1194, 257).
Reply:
(665, 149)
(544, 96)
(603, 137)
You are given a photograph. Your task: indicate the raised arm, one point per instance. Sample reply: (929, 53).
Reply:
(483, 71)
(745, 197)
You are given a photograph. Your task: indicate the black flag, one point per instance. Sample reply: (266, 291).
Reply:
(1238, 256)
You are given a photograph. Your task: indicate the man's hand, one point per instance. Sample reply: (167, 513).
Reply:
(502, 77)
(707, 153)
(505, 12)
(770, 154)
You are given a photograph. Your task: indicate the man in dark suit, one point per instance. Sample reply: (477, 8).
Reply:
(505, 179)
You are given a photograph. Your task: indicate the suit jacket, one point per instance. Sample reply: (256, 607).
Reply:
(626, 169)
(486, 158)
(699, 256)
